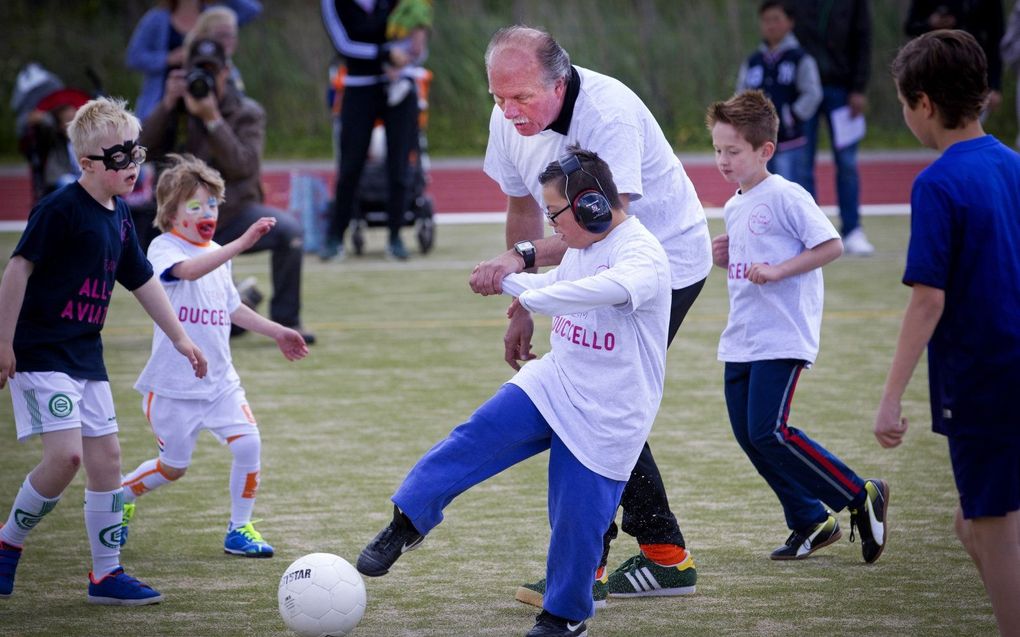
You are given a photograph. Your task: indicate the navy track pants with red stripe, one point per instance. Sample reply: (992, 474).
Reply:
(803, 474)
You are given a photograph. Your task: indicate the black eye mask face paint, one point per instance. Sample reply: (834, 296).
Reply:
(121, 156)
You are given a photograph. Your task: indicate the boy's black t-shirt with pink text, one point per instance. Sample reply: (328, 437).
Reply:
(78, 249)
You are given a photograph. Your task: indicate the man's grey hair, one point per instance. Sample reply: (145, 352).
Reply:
(552, 57)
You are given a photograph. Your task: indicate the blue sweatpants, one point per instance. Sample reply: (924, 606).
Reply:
(802, 473)
(505, 430)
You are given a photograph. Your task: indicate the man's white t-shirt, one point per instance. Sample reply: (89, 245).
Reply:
(203, 307)
(612, 121)
(600, 385)
(774, 222)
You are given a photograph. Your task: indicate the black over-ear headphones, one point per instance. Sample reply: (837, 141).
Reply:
(590, 207)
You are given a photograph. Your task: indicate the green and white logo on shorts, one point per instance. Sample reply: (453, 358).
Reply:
(61, 405)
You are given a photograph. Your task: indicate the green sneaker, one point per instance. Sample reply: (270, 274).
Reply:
(869, 519)
(641, 577)
(534, 593)
(127, 514)
(803, 543)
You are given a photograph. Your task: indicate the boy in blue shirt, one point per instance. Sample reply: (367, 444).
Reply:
(53, 302)
(963, 265)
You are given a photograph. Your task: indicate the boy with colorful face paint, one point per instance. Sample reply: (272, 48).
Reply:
(54, 298)
(197, 276)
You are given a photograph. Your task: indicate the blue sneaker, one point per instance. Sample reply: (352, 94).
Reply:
(117, 588)
(246, 541)
(9, 557)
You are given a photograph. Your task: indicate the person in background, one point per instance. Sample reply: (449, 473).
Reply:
(219, 22)
(789, 77)
(1010, 50)
(357, 29)
(44, 142)
(157, 45)
(980, 18)
(837, 34)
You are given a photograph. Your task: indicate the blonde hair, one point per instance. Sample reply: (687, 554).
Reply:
(98, 118)
(206, 27)
(179, 181)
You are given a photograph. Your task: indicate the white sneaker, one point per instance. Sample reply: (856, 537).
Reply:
(856, 243)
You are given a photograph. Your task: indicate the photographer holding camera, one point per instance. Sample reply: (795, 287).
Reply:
(203, 113)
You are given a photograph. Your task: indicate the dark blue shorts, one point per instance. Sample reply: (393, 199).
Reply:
(987, 473)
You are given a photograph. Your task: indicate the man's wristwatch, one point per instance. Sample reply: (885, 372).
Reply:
(527, 251)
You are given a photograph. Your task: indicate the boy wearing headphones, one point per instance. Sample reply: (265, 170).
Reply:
(610, 301)
(777, 241)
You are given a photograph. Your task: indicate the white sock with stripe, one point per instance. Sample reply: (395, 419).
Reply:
(29, 507)
(244, 478)
(103, 511)
(148, 476)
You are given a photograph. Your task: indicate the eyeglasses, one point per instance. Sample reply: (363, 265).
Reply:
(121, 156)
(551, 216)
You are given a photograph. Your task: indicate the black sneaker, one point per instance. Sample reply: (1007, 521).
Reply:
(392, 542)
(869, 520)
(803, 543)
(549, 625)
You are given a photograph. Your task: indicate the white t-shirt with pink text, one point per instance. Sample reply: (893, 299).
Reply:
(600, 386)
(773, 222)
(203, 307)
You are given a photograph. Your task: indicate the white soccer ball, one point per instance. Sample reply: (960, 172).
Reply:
(321, 595)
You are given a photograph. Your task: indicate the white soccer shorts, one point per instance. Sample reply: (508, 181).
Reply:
(53, 401)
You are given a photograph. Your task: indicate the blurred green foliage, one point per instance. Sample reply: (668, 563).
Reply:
(678, 56)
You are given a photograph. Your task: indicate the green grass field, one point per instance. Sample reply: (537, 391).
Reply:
(405, 353)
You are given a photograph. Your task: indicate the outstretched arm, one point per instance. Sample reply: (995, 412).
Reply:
(12, 295)
(922, 316)
(153, 299)
(203, 264)
(290, 341)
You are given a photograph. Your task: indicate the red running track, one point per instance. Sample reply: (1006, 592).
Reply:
(459, 186)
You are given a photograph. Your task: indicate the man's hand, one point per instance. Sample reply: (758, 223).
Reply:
(890, 426)
(517, 341)
(175, 88)
(721, 251)
(206, 109)
(7, 363)
(858, 103)
(487, 277)
(292, 344)
(256, 231)
(194, 355)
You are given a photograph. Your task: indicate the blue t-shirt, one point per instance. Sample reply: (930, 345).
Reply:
(78, 248)
(965, 240)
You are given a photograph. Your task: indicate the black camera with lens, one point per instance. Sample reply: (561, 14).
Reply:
(200, 83)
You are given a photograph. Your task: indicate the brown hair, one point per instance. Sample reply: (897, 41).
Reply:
(178, 182)
(751, 113)
(593, 175)
(950, 68)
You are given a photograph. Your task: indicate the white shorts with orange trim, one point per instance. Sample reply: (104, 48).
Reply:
(53, 401)
(176, 422)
